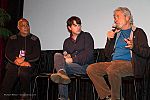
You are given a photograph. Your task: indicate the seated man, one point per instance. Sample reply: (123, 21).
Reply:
(126, 49)
(22, 50)
(78, 53)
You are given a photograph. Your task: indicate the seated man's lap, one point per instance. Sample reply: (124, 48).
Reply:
(75, 68)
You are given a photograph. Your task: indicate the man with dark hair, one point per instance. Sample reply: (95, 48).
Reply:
(77, 55)
(126, 49)
(22, 51)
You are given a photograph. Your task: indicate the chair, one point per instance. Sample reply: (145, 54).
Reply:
(78, 78)
(128, 88)
(42, 75)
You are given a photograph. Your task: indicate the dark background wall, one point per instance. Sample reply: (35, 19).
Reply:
(15, 9)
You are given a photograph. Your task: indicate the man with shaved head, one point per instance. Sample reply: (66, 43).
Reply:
(22, 51)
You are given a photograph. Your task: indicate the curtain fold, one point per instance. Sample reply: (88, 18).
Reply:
(4, 4)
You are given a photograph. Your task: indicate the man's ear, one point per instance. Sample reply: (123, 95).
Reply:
(69, 28)
(18, 27)
(127, 18)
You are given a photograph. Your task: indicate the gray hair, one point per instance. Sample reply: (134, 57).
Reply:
(126, 12)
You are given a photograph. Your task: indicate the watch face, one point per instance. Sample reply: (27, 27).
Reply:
(22, 53)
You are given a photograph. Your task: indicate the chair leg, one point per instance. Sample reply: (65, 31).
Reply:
(121, 92)
(32, 86)
(31, 91)
(94, 96)
(135, 90)
(35, 87)
(47, 87)
(76, 90)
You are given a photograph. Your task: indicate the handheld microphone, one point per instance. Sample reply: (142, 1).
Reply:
(65, 53)
(114, 27)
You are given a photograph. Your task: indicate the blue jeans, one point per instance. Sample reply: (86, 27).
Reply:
(73, 68)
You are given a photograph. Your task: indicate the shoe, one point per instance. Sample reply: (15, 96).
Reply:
(62, 99)
(108, 98)
(60, 77)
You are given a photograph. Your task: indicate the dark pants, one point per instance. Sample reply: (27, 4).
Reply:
(12, 76)
(2, 71)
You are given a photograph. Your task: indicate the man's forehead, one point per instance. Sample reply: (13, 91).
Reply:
(21, 21)
(118, 12)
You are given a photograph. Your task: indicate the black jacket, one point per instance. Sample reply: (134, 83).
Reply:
(30, 43)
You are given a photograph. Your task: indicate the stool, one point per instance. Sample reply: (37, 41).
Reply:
(85, 77)
(78, 78)
(47, 75)
(130, 88)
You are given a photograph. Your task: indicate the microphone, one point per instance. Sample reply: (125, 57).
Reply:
(114, 27)
(65, 53)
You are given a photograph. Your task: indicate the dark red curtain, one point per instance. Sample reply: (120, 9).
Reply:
(2, 71)
(15, 9)
(4, 4)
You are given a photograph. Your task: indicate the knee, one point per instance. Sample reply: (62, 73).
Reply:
(90, 69)
(58, 56)
(23, 74)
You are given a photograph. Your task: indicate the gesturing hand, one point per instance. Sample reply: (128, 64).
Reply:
(129, 43)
